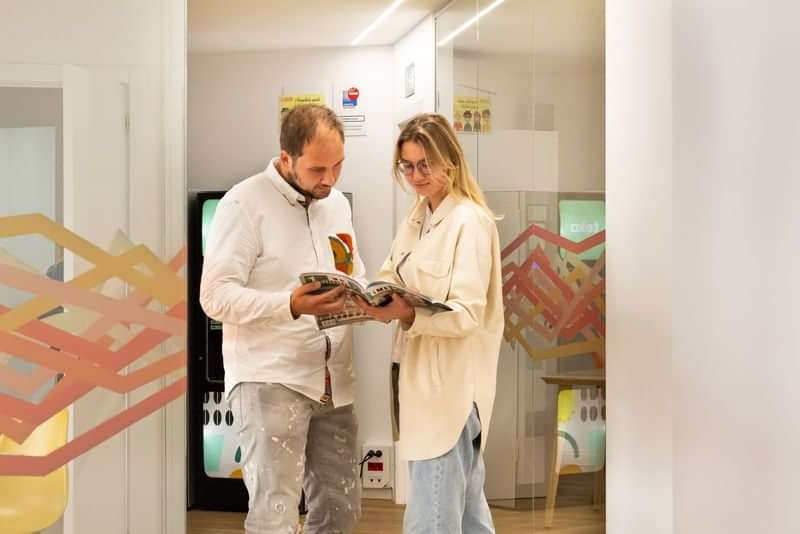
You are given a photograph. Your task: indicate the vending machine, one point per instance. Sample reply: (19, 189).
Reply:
(214, 476)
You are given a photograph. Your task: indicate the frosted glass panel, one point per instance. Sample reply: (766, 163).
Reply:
(524, 88)
(27, 185)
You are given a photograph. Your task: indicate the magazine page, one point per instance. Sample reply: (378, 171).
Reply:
(349, 315)
(417, 300)
(330, 281)
(377, 294)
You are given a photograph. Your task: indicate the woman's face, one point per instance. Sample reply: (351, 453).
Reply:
(427, 181)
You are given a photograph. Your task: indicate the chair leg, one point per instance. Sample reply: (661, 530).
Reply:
(552, 484)
(599, 485)
(550, 506)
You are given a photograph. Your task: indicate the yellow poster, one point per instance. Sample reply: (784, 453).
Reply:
(472, 114)
(287, 102)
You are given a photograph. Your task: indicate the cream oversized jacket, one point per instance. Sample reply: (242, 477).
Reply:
(449, 360)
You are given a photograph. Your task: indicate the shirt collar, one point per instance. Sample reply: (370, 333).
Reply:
(418, 214)
(294, 197)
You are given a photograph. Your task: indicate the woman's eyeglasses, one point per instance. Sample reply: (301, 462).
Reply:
(407, 168)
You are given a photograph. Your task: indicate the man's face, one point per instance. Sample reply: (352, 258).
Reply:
(318, 169)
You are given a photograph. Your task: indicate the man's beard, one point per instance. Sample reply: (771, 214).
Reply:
(318, 193)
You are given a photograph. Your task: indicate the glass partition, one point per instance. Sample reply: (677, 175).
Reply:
(523, 82)
(92, 292)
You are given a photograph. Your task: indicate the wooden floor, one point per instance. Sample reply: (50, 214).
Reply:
(383, 517)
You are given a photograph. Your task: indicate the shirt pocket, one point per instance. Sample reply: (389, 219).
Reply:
(434, 278)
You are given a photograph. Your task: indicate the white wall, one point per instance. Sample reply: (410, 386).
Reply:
(639, 249)
(417, 47)
(122, 485)
(736, 185)
(233, 133)
(702, 189)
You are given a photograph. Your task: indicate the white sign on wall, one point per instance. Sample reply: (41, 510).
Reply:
(354, 125)
(351, 109)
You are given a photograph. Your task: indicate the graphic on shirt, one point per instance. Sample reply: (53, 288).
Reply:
(342, 247)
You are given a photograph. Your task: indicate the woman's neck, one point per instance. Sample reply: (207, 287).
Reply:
(435, 202)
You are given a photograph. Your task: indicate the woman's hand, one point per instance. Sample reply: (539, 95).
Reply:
(397, 308)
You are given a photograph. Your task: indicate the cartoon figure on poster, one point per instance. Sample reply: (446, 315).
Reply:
(486, 115)
(472, 114)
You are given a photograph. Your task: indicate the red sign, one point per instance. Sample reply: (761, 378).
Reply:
(353, 93)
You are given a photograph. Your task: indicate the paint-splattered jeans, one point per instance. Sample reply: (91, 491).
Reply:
(446, 493)
(289, 441)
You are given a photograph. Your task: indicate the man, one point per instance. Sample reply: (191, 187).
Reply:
(290, 385)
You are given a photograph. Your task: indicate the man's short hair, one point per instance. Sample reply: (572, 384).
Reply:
(299, 126)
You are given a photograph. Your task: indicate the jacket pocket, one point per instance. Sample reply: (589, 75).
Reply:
(436, 373)
(434, 279)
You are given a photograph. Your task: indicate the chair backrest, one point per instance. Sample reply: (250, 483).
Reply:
(581, 430)
(47, 437)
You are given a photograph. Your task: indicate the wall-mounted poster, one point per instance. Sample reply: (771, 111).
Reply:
(287, 102)
(472, 114)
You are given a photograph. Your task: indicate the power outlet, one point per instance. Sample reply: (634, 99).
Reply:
(379, 467)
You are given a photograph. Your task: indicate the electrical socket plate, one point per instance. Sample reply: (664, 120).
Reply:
(378, 472)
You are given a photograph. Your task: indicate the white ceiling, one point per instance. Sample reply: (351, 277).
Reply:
(239, 25)
(572, 28)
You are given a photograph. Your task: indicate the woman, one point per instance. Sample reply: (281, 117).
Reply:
(448, 249)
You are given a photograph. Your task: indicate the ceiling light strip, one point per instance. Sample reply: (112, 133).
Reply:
(485, 11)
(391, 9)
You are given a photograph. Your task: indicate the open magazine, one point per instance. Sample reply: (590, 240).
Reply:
(376, 293)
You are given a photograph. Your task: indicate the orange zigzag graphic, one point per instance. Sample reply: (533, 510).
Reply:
(85, 359)
(564, 306)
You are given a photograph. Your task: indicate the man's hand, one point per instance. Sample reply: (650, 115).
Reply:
(398, 308)
(302, 302)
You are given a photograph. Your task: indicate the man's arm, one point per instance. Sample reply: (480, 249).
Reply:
(231, 251)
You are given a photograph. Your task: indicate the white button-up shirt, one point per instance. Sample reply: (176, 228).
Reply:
(261, 239)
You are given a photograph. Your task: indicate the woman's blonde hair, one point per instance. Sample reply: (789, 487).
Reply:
(442, 151)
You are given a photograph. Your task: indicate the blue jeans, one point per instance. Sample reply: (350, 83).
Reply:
(446, 493)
